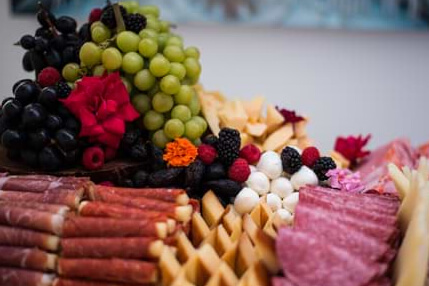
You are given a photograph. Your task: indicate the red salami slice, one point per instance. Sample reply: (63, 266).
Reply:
(28, 258)
(21, 277)
(10, 236)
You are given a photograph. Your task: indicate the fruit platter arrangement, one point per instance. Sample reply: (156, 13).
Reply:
(119, 168)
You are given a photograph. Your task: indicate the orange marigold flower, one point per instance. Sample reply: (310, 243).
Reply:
(180, 153)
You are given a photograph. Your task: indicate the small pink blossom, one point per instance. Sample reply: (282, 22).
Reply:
(345, 180)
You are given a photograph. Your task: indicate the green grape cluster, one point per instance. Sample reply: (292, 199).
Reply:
(158, 71)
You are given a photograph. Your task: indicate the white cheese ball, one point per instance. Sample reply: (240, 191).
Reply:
(290, 202)
(274, 202)
(281, 187)
(246, 201)
(285, 215)
(258, 182)
(270, 164)
(252, 169)
(305, 176)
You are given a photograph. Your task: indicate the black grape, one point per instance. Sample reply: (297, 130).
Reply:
(44, 33)
(42, 17)
(84, 32)
(66, 24)
(38, 61)
(30, 158)
(27, 92)
(58, 43)
(27, 42)
(70, 55)
(18, 83)
(53, 59)
(41, 45)
(27, 65)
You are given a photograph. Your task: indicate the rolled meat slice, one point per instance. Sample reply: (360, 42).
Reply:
(41, 183)
(119, 247)
(77, 282)
(10, 236)
(68, 198)
(180, 213)
(21, 277)
(31, 219)
(55, 209)
(111, 227)
(28, 258)
(110, 270)
(177, 196)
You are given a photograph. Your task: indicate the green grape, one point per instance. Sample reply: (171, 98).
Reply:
(181, 112)
(132, 62)
(96, 24)
(159, 66)
(175, 41)
(98, 70)
(153, 90)
(144, 80)
(194, 105)
(178, 70)
(71, 72)
(148, 47)
(162, 102)
(174, 128)
(72, 85)
(149, 10)
(142, 103)
(148, 33)
(127, 84)
(170, 84)
(174, 53)
(133, 6)
(197, 142)
(193, 130)
(192, 52)
(162, 40)
(193, 68)
(184, 96)
(153, 23)
(165, 26)
(111, 58)
(100, 33)
(160, 139)
(153, 120)
(90, 54)
(201, 121)
(128, 41)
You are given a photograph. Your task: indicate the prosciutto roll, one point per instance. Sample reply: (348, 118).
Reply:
(130, 248)
(28, 258)
(31, 219)
(67, 198)
(55, 209)
(110, 270)
(110, 227)
(10, 236)
(41, 183)
(76, 282)
(21, 277)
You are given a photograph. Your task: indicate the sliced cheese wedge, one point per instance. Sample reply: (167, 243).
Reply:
(278, 138)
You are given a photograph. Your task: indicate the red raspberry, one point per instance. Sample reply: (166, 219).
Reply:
(95, 15)
(250, 153)
(309, 156)
(239, 170)
(93, 158)
(207, 153)
(48, 76)
(109, 153)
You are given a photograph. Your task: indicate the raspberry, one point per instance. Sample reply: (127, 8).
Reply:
(93, 158)
(309, 156)
(239, 171)
(207, 153)
(48, 76)
(95, 15)
(250, 153)
(109, 153)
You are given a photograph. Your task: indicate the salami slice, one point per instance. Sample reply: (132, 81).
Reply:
(55, 209)
(28, 258)
(10, 236)
(110, 270)
(21, 277)
(67, 198)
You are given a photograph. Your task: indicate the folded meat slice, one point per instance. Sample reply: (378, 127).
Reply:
(78, 282)
(10, 236)
(109, 270)
(110, 227)
(31, 219)
(21, 277)
(307, 260)
(41, 183)
(281, 281)
(28, 258)
(119, 247)
(55, 209)
(67, 198)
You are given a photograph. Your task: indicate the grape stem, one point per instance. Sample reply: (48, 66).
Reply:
(46, 17)
(120, 24)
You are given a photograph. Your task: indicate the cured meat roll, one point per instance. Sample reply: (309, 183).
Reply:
(110, 227)
(21, 277)
(177, 196)
(28, 258)
(110, 270)
(10, 236)
(41, 183)
(68, 198)
(131, 248)
(55, 209)
(77, 282)
(31, 219)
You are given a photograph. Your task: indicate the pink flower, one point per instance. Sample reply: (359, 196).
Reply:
(345, 180)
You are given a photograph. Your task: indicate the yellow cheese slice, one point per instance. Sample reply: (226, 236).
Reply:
(278, 138)
(300, 130)
(256, 129)
(210, 105)
(233, 115)
(254, 108)
(274, 118)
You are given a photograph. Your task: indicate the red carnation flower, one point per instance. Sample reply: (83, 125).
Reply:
(102, 105)
(352, 148)
(290, 116)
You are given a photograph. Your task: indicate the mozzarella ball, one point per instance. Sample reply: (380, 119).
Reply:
(246, 201)
(258, 182)
(252, 169)
(281, 187)
(285, 215)
(291, 201)
(305, 176)
(270, 164)
(274, 202)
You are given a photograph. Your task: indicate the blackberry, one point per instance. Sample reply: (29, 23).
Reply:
(322, 166)
(130, 137)
(63, 89)
(135, 22)
(291, 160)
(139, 152)
(140, 179)
(228, 145)
(210, 140)
(108, 16)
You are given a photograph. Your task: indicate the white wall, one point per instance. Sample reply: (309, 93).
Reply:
(347, 82)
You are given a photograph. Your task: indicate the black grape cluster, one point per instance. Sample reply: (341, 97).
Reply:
(37, 129)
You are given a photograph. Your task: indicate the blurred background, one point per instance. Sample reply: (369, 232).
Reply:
(352, 66)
